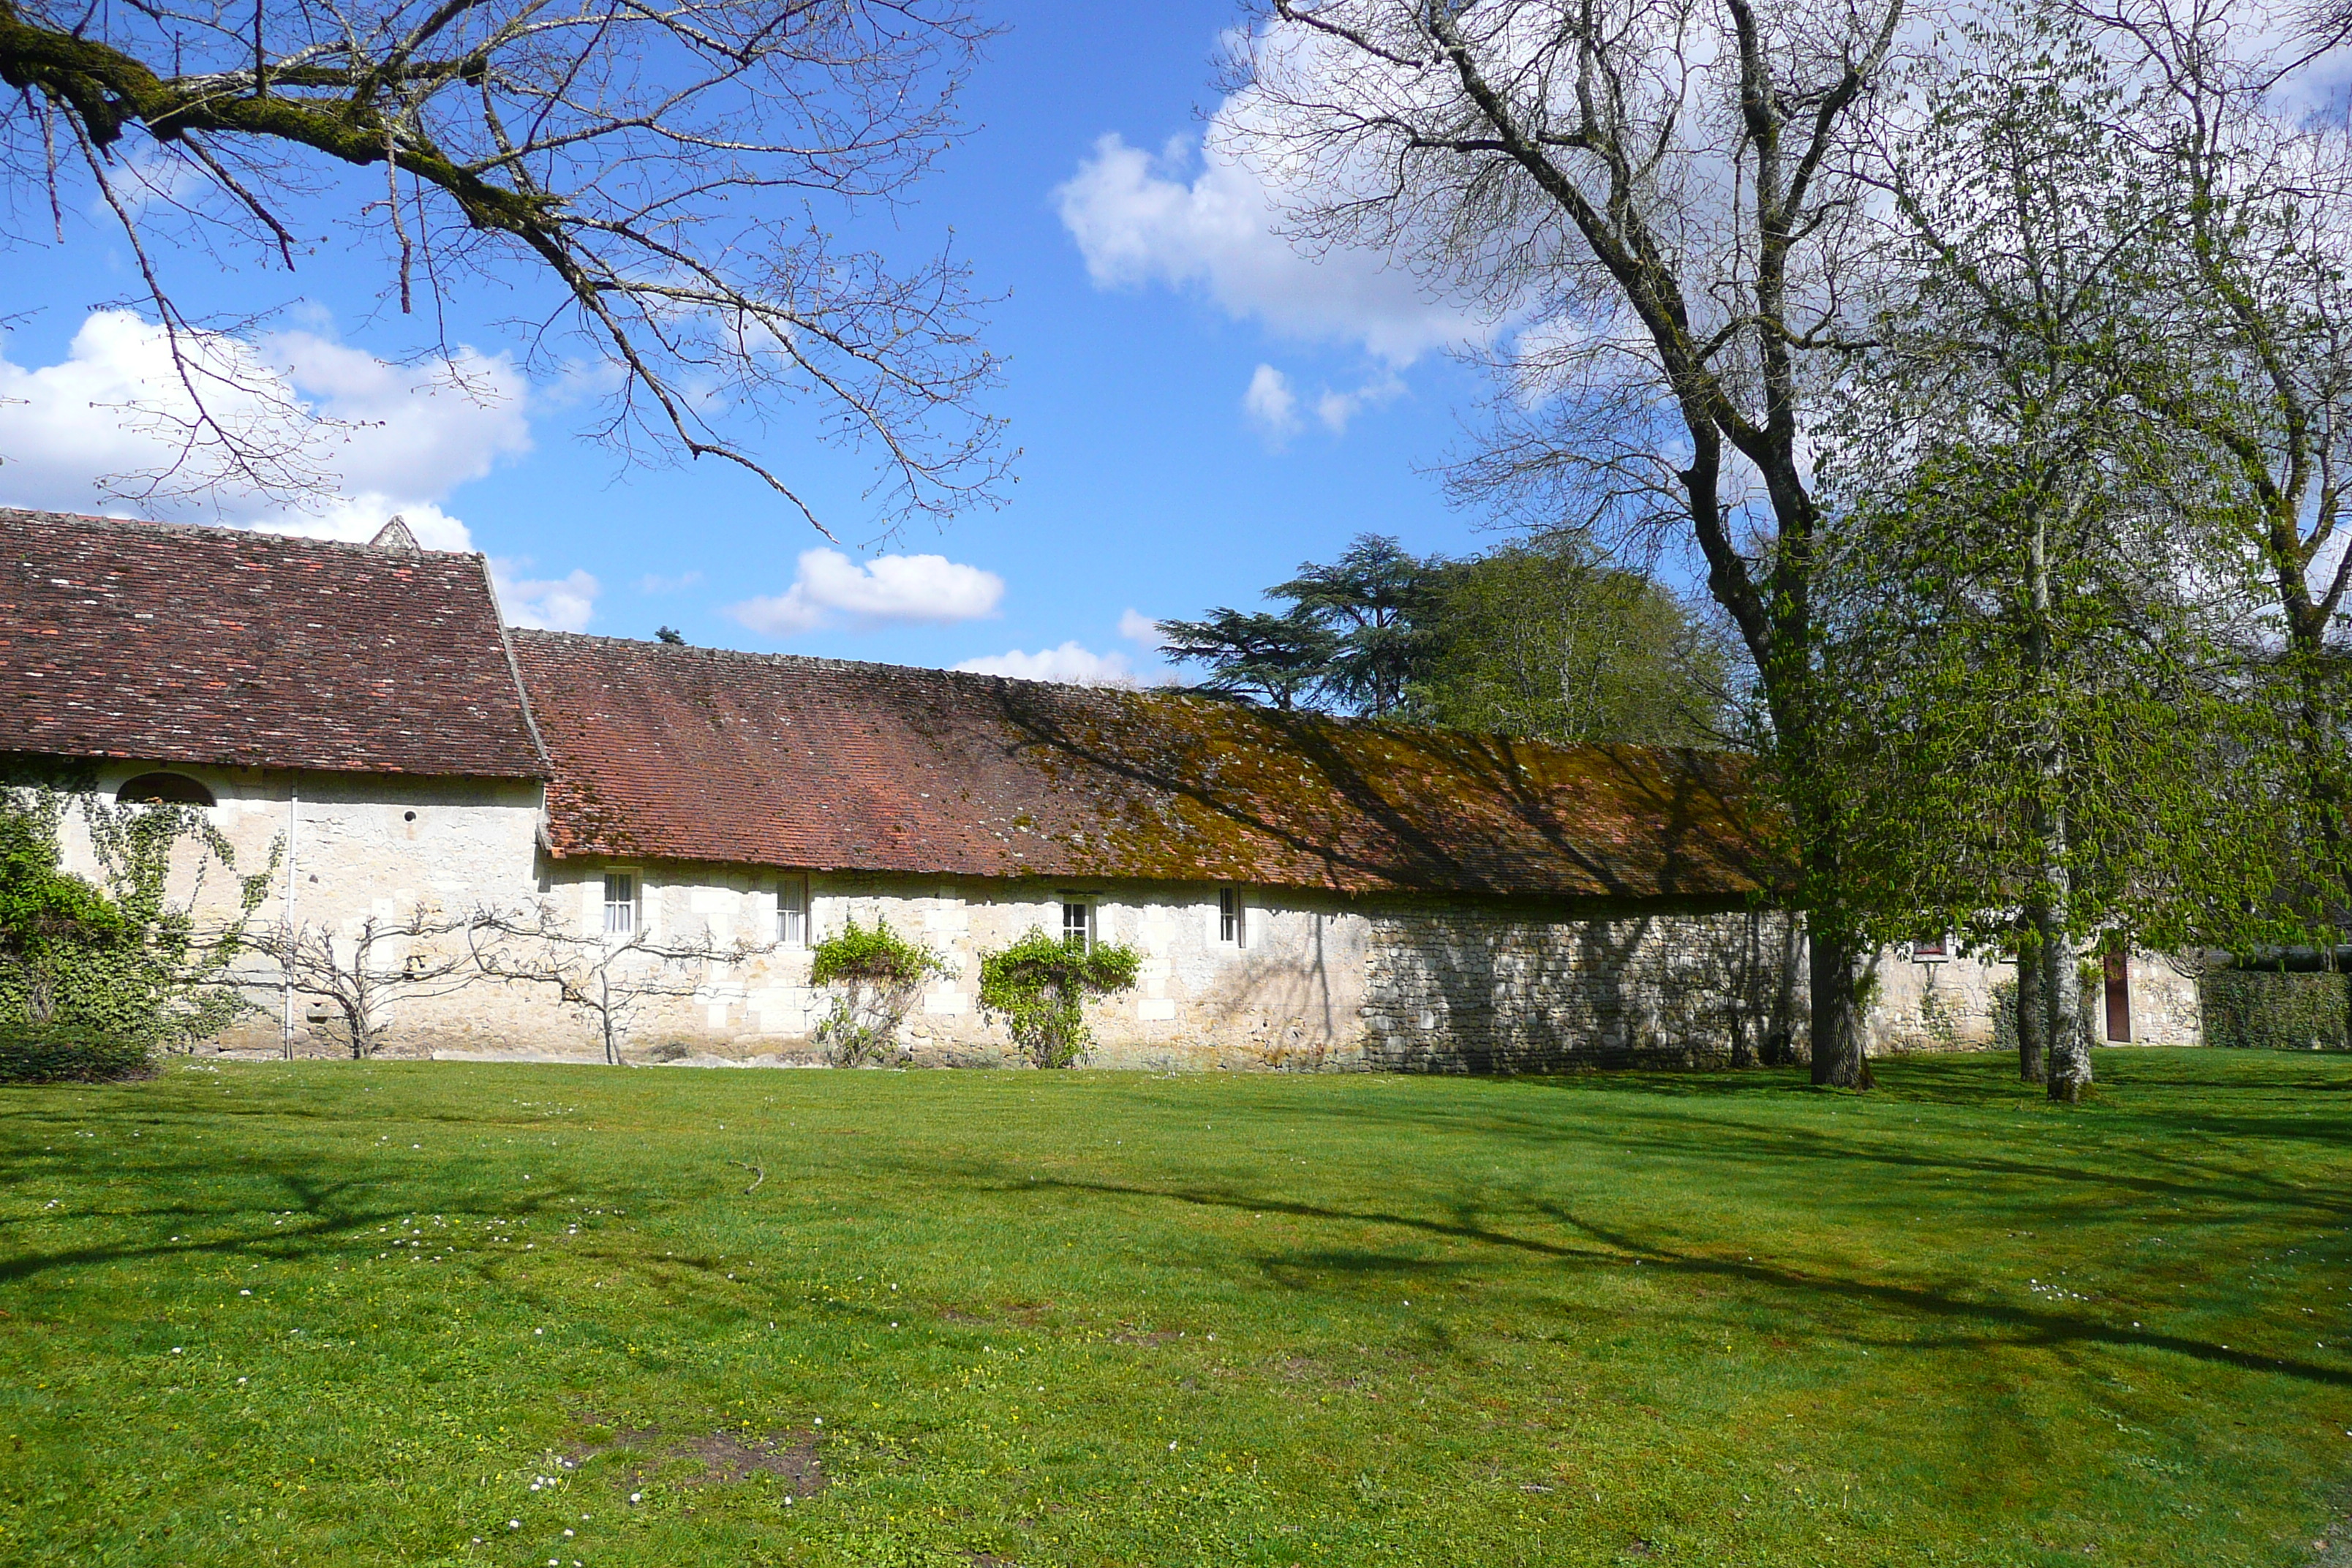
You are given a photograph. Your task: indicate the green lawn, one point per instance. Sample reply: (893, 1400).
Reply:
(329, 1313)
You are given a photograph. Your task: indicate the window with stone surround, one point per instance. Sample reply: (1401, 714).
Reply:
(1078, 924)
(620, 903)
(1232, 924)
(792, 911)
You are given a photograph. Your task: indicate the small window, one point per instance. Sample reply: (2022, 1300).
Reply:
(163, 789)
(1078, 924)
(620, 903)
(1931, 949)
(792, 911)
(1231, 925)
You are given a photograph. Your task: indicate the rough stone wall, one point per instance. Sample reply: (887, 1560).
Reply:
(1948, 1004)
(1471, 990)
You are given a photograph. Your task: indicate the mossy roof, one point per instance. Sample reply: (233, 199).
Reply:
(668, 752)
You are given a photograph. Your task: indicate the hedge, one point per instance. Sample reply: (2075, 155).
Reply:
(2262, 1010)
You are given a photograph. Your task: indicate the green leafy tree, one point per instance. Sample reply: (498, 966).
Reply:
(2024, 624)
(1373, 600)
(1040, 986)
(878, 974)
(1545, 639)
(1282, 658)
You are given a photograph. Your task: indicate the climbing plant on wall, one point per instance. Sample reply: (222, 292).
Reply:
(120, 956)
(1040, 986)
(877, 973)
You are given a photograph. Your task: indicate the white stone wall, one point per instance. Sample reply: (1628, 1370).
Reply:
(1289, 997)
(1320, 981)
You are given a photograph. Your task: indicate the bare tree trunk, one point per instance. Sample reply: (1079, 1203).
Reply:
(2032, 1007)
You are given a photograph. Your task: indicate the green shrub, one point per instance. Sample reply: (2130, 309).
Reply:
(2253, 1009)
(1039, 988)
(61, 1054)
(879, 972)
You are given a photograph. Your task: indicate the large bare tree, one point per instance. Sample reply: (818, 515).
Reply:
(661, 180)
(1657, 190)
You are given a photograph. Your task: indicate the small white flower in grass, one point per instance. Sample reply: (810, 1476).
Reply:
(567, 1533)
(639, 1496)
(244, 1293)
(514, 1524)
(539, 1331)
(1172, 1447)
(175, 1350)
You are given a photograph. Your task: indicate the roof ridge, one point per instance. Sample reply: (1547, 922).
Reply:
(1188, 694)
(227, 530)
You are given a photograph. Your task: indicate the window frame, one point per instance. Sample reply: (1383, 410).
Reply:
(1087, 930)
(634, 903)
(792, 911)
(1233, 916)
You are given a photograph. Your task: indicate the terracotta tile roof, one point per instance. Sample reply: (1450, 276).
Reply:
(687, 753)
(211, 644)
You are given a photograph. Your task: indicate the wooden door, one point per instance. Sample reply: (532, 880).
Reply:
(2119, 998)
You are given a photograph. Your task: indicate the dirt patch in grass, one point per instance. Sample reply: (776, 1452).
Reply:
(725, 1457)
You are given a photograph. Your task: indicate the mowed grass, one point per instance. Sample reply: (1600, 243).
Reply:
(410, 1313)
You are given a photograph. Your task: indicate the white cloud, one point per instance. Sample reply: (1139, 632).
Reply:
(1070, 664)
(1271, 406)
(1137, 221)
(549, 604)
(1334, 409)
(378, 438)
(831, 589)
(654, 583)
(1140, 629)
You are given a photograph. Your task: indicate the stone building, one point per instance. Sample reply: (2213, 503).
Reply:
(1305, 893)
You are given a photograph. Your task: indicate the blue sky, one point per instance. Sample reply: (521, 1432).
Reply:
(1198, 410)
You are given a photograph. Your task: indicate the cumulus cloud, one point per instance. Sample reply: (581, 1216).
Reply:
(1138, 220)
(1140, 629)
(1070, 664)
(1271, 406)
(831, 589)
(376, 438)
(547, 604)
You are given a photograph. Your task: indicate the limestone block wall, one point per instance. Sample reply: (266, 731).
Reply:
(1288, 996)
(1466, 989)
(1318, 982)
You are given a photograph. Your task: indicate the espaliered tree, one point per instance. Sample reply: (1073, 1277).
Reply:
(668, 179)
(368, 970)
(1664, 184)
(875, 974)
(1040, 988)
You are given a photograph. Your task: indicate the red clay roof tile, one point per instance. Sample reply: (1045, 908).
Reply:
(704, 754)
(214, 645)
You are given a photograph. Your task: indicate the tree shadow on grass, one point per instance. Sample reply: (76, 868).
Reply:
(333, 1214)
(2029, 1326)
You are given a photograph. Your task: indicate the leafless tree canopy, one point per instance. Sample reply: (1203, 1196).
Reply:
(1661, 193)
(674, 168)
